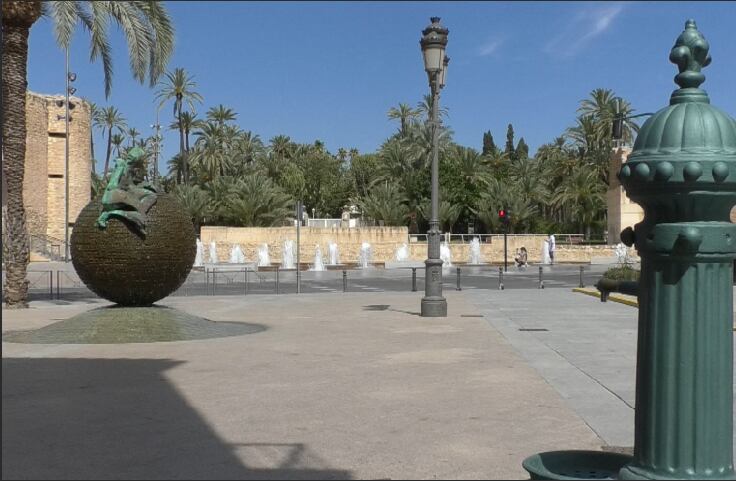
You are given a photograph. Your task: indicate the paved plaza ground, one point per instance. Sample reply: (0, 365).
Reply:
(353, 385)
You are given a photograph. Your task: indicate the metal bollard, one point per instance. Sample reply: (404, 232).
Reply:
(214, 281)
(58, 284)
(344, 281)
(582, 284)
(541, 281)
(413, 279)
(277, 280)
(51, 284)
(206, 281)
(500, 278)
(246, 282)
(458, 288)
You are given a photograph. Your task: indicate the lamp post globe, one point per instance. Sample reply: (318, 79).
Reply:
(434, 43)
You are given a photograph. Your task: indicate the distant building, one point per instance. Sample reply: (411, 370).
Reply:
(622, 211)
(43, 185)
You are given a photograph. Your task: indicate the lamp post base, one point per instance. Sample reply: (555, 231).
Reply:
(434, 307)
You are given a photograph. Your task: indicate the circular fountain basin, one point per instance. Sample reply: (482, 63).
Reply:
(575, 465)
(123, 325)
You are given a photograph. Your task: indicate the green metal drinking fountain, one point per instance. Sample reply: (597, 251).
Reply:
(682, 171)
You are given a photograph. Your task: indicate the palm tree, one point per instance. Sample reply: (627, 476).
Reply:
(601, 106)
(109, 118)
(93, 112)
(212, 149)
(147, 29)
(583, 195)
(342, 154)
(248, 147)
(385, 203)
(195, 202)
(221, 114)
(176, 168)
(448, 212)
(257, 202)
(405, 114)
(132, 134)
(188, 121)
(117, 140)
(425, 108)
(281, 146)
(179, 86)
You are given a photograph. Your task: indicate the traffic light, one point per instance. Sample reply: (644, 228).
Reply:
(617, 127)
(504, 215)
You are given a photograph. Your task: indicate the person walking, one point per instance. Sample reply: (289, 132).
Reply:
(552, 246)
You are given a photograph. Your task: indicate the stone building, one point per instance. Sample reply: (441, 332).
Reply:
(622, 211)
(44, 183)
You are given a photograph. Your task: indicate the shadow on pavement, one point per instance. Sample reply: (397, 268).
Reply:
(122, 419)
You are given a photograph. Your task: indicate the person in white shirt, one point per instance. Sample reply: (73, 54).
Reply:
(552, 248)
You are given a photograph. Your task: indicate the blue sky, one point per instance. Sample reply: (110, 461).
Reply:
(331, 70)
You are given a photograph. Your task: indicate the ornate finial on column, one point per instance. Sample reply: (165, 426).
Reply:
(690, 54)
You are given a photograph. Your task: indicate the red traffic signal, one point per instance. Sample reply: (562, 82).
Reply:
(503, 215)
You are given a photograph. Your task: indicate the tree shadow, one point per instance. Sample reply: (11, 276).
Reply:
(122, 419)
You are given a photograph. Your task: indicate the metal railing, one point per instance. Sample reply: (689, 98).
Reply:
(62, 284)
(560, 239)
(49, 247)
(324, 223)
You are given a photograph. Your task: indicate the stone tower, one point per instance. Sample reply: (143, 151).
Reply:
(622, 212)
(44, 183)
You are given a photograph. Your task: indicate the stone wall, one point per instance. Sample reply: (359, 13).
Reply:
(79, 162)
(384, 243)
(622, 211)
(43, 185)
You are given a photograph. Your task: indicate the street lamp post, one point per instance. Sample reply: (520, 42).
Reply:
(433, 43)
(157, 146)
(70, 77)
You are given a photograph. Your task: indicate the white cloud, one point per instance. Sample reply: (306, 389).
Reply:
(490, 47)
(584, 27)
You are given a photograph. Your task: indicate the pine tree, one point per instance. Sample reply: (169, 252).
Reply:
(489, 146)
(522, 150)
(510, 142)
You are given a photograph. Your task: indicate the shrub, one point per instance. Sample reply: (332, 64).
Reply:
(622, 273)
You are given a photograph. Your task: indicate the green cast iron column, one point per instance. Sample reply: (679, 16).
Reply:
(682, 171)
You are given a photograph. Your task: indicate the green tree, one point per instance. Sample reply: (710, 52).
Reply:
(194, 201)
(510, 150)
(522, 150)
(179, 87)
(117, 140)
(583, 195)
(385, 204)
(132, 133)
(447, 212)
(405, 115)
(93, 112)
(258, 203)
(489, 146)
(111, 120)
(221, 114)
(425, 108)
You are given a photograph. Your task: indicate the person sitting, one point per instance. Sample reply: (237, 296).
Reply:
(521, 258)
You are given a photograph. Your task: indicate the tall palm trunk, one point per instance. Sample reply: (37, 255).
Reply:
(183, 153)
(92, 150)
(17, 20)
(109, 150)
(182, 146)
